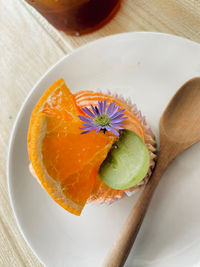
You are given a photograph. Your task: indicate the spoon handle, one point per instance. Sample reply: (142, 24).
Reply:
(122, 246)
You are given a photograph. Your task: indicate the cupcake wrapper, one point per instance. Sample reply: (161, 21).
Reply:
(149, 139)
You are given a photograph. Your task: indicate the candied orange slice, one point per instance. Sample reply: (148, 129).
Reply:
(65, 162)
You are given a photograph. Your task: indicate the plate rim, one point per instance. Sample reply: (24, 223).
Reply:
(14, 127)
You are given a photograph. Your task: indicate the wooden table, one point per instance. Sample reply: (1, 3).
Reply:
(29, 46)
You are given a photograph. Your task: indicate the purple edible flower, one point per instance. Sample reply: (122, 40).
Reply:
(102, 118)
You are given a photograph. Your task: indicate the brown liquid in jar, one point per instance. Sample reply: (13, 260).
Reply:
(77, 16)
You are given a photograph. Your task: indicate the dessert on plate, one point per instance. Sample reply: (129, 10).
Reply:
(88, 147)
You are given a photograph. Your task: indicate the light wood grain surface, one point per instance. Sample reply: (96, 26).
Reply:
(29, 46)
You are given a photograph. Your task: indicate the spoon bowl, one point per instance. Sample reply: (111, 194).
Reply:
(180, 122)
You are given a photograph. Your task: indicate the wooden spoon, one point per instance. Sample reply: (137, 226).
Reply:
(179, 129)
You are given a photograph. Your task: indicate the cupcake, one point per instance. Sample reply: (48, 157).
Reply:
(81, 147)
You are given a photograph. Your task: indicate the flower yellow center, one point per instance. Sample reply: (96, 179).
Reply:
(102, 120)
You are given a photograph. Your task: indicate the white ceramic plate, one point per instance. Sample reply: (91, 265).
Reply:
(148, 67)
